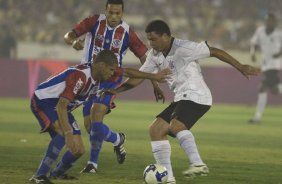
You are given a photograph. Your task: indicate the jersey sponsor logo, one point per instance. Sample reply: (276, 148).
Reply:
(99, 38)
(116, 43)
(77, 86)
(171, 65)
(75, 126)
(96, 50)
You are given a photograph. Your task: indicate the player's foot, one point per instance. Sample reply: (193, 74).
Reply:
(196, 170)
(171, 181)
(90, 168)
(42, 179)
(119, 149)
(63, 177)
(254, 120)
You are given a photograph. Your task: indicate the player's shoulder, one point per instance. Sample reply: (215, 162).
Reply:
(186, 44)
(81, 70)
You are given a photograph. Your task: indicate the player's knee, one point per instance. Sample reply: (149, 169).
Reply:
(176, 126)
(158, 130)
(98, 112)
(80, 151)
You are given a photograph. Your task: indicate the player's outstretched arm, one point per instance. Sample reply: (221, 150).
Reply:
(134, 73)
(246, 70)
(126, 85)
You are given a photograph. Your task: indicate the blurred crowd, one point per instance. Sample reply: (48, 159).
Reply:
(225, 23)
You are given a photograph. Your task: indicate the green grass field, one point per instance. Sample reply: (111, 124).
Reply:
(236, 152)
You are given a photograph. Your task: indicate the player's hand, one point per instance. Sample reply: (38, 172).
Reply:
(162, 75)
(159, 95)
(71, 143)
(248, 70)
(105, 92)
(78, 44)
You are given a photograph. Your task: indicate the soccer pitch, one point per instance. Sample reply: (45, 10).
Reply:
(236, 152)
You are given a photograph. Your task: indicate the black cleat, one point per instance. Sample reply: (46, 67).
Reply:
(42, 179)
(254, 121)
(119, 149)
(63, 177)
(89, 169)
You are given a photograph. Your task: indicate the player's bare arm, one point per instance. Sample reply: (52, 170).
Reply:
(126, 85)
(246, 70)
(71, 39)
(134, 73)
(65, 126)
(159, 94)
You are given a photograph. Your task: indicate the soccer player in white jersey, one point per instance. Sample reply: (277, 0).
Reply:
(55, 99)
(192, 97)
(269, 39)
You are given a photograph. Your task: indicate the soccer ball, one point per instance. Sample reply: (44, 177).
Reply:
(155, 174)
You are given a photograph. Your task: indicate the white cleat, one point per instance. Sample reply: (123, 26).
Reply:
(196, 170)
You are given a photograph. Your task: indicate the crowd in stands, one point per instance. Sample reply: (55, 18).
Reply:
(226, 23)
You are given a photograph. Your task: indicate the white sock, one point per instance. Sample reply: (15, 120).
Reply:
(261, 103)
(94, 164)
(117, 141)
(162, 151)
(188, 144)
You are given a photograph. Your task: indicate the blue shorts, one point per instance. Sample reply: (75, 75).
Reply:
(46, 114)
(107, 100)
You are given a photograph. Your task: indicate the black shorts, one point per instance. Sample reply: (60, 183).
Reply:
(186, 111)
(270, 79)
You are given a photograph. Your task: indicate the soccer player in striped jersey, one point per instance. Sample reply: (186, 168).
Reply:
(55, 99)
(269, 39)
(192, 97)
(106, 31)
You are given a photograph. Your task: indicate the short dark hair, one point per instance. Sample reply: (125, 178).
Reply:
(270, 15)
(107, 57)
(159, 27)
(115, 2)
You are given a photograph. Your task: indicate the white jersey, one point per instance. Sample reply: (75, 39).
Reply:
(269, 45)
(186, 80)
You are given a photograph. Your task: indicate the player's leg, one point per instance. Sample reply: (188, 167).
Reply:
(100, 132)
(69, 158)
(161, 148)
(184, 116)
(266, 83)
(45, 118)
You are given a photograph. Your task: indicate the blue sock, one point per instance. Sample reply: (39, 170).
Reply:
(64, 164)
(109, 136)
(96, 140)
(53, 151)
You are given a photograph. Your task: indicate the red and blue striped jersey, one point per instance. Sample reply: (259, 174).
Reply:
(100, 36)
(75, 83)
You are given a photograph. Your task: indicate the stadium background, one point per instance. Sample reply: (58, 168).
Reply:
(38, 28)
(236, 152)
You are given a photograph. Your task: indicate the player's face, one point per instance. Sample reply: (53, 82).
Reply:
(107, 71)
(270, 22)
(114, 14)
(158, 42)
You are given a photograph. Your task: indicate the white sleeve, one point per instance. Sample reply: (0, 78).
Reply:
(191, 51)
(149, 65)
